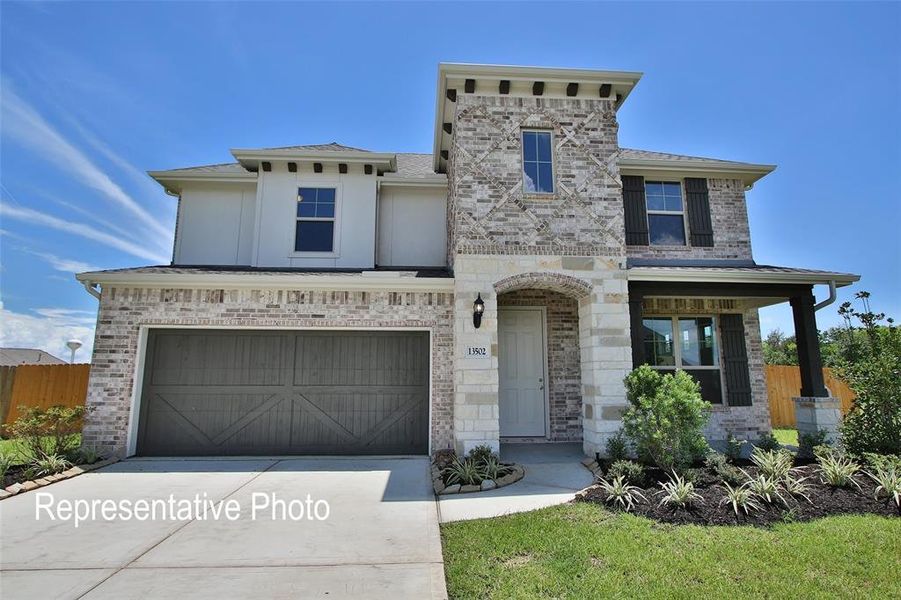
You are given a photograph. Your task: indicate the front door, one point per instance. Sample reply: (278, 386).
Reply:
(523, 411)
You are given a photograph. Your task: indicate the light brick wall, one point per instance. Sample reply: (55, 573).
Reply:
(731, 233)
(124, 311)
(564, 382)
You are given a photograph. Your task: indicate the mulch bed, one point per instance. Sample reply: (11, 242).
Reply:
(825, 501)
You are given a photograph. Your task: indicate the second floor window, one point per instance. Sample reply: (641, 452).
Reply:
(666, 213)
(537, 162)
(315, 229)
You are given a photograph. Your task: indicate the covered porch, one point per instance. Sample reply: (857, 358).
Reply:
(704, 319)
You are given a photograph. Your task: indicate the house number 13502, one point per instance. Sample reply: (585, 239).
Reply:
(477, 351)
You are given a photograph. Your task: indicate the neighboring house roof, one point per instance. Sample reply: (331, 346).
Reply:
(11, 357)
(330, 147)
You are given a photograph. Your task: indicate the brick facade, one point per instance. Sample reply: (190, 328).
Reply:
(125, 311)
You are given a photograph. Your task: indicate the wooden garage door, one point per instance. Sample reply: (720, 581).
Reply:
(211, 393)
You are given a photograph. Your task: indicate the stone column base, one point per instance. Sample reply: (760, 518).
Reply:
(818, 414)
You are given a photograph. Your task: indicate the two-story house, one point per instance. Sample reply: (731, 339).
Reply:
(328, 299)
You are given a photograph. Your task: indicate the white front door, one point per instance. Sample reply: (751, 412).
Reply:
(521, 370)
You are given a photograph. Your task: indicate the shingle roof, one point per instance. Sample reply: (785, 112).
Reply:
(10, 357)
(417, 165)
(247, 270)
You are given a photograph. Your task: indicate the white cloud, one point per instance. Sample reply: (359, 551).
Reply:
(49, 329)
(66, 265)
(80, 229)
(24, 123)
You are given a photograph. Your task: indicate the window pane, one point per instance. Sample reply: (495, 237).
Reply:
(544, 146)
(306, 209)
(698, 342)
(674, 201)
(666, 230)
(672, 188)
(529, 146)
(545, 177)
(314, 236)
(530, 176)
(656, 202)
(658, 342)
(326, 195)
(653, 188)
(325, 210)
(711, 387)
(306, 195)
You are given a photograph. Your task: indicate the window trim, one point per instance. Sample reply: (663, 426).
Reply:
(522, 158)
(677, 348)
(684, 213)
(336, 238)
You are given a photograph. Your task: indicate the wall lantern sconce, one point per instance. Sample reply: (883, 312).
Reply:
(478, 307)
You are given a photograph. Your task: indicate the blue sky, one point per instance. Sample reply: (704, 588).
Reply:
(94, 94)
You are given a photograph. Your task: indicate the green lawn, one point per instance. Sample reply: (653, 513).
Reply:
(786, 436)
(583, 551)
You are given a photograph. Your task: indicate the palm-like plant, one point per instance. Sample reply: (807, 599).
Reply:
(796, 486)
(773, 463)
(888, 483)
(621, 493)
(838, 471)
(464, 472)
(766, 488)
(740, 497)
(679, 492)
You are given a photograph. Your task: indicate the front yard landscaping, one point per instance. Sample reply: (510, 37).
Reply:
(582, 550)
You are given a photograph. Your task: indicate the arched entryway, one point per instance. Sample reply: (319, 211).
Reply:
(539, 357)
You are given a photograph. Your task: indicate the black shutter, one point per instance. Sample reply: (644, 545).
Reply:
(698, 203)
(735, 361)
(636, 215)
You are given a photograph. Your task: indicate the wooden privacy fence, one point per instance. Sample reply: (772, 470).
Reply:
(41, 386)
(783, 382)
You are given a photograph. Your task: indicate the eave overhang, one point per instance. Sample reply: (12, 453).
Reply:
(701, 275)
(393, 281)
(487, 80)
(251, 158)
(174, 181)
(749, 173)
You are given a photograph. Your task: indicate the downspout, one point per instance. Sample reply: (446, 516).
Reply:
(89, 286)
(828, 300)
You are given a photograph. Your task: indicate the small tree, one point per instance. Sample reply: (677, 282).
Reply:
(871, 365)
(667, 417)
(780, 349)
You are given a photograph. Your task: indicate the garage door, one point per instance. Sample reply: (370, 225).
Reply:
(276, 392)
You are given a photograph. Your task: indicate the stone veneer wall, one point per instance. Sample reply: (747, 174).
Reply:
(124, 311)
(731, 233)
(743, 422)
(563, 364)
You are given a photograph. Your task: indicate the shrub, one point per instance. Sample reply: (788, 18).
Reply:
(768, 442)
(796, 487)
(621, 493)
(48, 432)
(618, 447)
(766, 488)
(629, 470)
(871, 364)
(773, 463)
(808, 441)
(733, 448)
(6, 461)
(740, 497)
(838, 471)
(464, 472)
(883, 461)
(666, 417)
(678, 492)
(481, 453)
(493, 468)
(50, 465)
(717, 463)
(888, 483)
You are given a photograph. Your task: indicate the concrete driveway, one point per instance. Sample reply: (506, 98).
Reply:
(380, 539)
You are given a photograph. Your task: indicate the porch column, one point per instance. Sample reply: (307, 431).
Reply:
(811, 364)
(637, 329)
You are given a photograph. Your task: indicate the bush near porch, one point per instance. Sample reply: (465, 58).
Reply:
(584, 551)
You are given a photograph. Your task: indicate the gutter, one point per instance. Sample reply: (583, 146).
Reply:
(828, 300)
(90, 286)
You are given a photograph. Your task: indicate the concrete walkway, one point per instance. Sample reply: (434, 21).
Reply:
(554, 474)
(380, 539)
